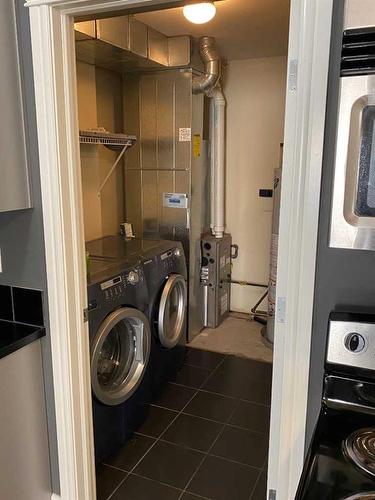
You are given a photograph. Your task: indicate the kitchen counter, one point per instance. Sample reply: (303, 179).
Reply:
(13, 336)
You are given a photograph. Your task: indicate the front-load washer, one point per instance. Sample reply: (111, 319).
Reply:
(120, 343)
(166, 277)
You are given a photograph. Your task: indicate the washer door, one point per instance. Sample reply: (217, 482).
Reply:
(119, 355)
(172, 311)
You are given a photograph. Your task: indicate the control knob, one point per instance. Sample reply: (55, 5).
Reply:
(354, 342)
(133, 277)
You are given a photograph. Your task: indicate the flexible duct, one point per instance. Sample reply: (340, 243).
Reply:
(209, 84)
(212, 66)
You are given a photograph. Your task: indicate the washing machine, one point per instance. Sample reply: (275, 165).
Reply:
(120, 344)
(165, 272)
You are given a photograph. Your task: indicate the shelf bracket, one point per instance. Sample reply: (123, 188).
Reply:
(104, 182)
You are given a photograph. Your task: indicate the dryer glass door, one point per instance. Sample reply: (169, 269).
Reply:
(119, 355)
(172, 311)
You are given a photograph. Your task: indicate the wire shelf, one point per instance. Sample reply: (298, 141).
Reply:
(114, 142)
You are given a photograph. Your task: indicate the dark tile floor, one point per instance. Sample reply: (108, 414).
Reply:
(206, 437)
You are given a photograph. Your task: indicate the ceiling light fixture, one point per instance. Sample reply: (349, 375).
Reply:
(200, 13)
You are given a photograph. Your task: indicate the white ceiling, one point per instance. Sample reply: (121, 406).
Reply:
(243, 28)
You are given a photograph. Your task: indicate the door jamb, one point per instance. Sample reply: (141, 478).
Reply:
(307, 82)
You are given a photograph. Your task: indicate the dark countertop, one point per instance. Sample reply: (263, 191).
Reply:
(13, 336)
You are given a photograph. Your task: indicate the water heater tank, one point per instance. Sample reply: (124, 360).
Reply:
(269, 331)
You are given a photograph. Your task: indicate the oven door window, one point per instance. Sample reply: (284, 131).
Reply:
(365, 201)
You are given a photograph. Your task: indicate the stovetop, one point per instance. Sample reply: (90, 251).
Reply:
(328, 473)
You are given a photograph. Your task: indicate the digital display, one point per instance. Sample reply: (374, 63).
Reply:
(110, 283)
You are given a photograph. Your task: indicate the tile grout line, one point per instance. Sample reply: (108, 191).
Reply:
(198, 451)
(120, 484)
(210, 448)
(207, 419)
(195, 390)
(204, 456)
(165, 484)
(221, 394)
(201, 463)
(234, 397)
(158, 438)
(258, 479)
(207, 454)
(149, 479)
(255, 485)
(193, 396)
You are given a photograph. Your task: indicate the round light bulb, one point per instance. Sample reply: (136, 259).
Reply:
(200, 13)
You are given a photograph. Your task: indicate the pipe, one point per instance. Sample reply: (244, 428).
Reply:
(245, 283)
(212, 66)
(212, 166)
(217, 96)
(255, 311)
(209, 84)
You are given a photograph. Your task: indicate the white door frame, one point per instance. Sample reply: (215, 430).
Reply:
(57, 123)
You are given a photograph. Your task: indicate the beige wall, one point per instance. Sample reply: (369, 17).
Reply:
(255, 92)
(100, 105)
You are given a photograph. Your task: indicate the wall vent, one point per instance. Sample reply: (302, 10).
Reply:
(358, 52)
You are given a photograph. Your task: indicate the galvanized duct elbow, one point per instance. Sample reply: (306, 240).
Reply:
(212, 64)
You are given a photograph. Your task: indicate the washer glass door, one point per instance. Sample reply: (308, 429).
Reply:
(119, 355)
(172, 311)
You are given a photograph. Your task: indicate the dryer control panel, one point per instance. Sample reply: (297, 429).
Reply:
(167, 260)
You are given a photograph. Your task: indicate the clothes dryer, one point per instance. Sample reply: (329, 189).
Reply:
(166, 277)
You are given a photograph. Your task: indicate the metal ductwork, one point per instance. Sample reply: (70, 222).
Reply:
(212, 66)
(124, 44)
(209, 83)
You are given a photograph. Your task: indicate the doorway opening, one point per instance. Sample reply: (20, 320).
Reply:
(181, 309)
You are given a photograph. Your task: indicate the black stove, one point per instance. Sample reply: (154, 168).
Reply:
(340, 464)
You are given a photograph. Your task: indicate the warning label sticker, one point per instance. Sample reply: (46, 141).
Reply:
(184, 134)
(197, 145)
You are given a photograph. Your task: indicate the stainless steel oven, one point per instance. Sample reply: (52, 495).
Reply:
(353, 206)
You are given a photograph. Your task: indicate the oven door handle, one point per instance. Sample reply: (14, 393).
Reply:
(359, 389)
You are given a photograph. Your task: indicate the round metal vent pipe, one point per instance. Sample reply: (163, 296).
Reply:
(212, 65)
(218, 164)
(209, 84)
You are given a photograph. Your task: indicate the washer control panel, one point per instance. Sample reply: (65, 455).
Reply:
(116, 286)
(351, 343)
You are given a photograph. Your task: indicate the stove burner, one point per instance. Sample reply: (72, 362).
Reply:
(370, 495)
(359, 447)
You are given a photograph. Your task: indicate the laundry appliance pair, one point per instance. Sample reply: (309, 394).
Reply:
(137, 325)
